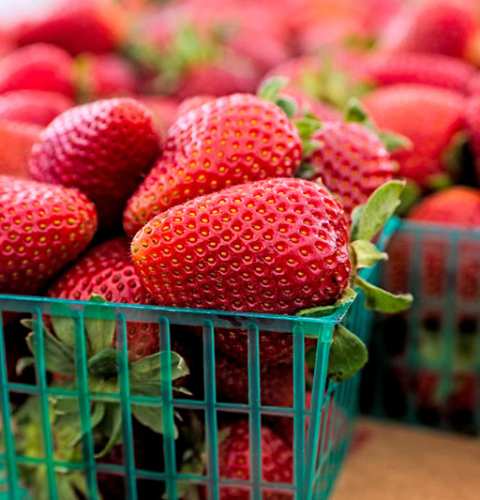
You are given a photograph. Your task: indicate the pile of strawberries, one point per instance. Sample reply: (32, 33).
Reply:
(139, 164)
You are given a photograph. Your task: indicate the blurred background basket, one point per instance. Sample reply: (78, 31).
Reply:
(322, 430)
(425, 363)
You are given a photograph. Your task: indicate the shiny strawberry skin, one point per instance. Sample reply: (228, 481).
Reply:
(426, 69)
(107, 270)
(231, 140)
(234, 461)
(284, 241)
(42, 228)
(76, 29)
(37, 67)
(103, 148)
(351, 161)
(33, 106)
(16, 142)
(428, 116)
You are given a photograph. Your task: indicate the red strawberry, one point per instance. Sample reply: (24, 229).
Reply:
(442, 27)
(234, 461)
(351, 161)
(37, 67)
(192, 103)
(232, 382)
(101, 76)
(107, 270)
(474, 85)
(75, 28)
(232, 140)
(275, 246)
(16, 141)
(164, 109)
(43, 227)
(428, 69)
(409, 110)
(102, 148)
(32, 106)
(473, 126)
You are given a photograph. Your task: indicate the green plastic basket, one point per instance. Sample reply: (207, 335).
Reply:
(425, 364)
(318, 450)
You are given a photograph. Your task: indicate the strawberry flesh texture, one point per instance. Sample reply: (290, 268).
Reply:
(274, 246)
(234, 461)
(428, 116)
(33, 106)
(231, 140)
(102, 148)
(107, 270)
(42, 228)
(351, 161)
(37, 67)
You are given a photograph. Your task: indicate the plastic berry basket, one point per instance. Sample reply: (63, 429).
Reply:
(318, 449)
(425, 363)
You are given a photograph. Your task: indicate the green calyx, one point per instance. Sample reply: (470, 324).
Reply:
(270, 89)
(355, 113)
(105, 367)
(348, 354)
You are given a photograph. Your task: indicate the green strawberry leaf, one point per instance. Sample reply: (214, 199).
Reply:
(287, 105)
(270, 88)
(366, 254)
(368, 219)
(111, 427)
(100, 325)
(394, 142)
(411, 194)
(23, 364)
(347, 297)
(104, 364)
(149, 368)
(58, 358)
(64, 329)
(151, 417)
(382, 301)
(307, 125)
(355, 113)
(439, 182)
(348, 354)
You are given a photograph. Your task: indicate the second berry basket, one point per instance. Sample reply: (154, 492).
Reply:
(320, 430)
(425, 363)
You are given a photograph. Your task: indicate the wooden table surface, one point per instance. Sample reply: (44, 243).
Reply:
(395, 462)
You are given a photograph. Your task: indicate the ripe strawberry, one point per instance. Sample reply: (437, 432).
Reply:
(192, 103)
(102, 148)
(443, 27)
(164, 109)
(16, 141)
(232, 140)
(474, 85)
(107, 270)
(473, 126)
(102, 76)
(37, 67)
(74, 28)
(408, 110)
(427, 69)
(276, 246)
(43, 227)
(351, 161)
(32, 106)
(234, 461)
(232, 382)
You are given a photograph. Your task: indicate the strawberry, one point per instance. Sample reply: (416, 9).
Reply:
(107, 270)
(443, 27)
(103, 148)
(427, 69)
(192, 103)
(234, 461)
(74, 28)
(194, 255)
(408, 110)
(474, 85)
(106, 75)
(164, 109)
(43, 227)
(232, 140)
(33, 106)
(232, 382)
(350, 160)
(16, 141)
(473, 127)
(37, 67)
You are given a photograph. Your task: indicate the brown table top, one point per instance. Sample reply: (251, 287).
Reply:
(407, 463)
